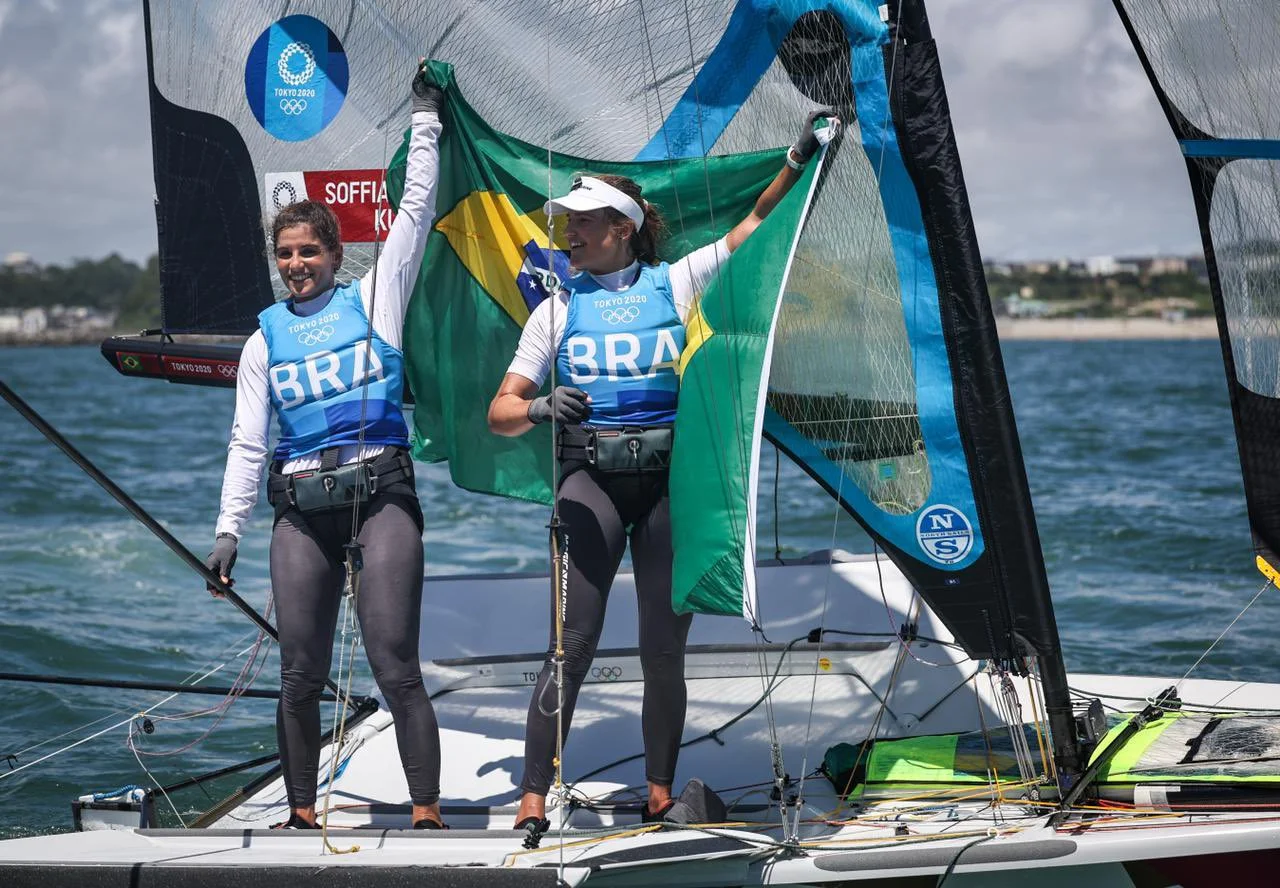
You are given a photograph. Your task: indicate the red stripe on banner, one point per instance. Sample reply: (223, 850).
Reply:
(357, 197)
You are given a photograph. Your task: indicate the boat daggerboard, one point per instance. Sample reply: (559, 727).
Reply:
(1218, 80)
(884, 379)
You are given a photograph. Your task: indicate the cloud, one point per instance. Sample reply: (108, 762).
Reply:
(75, 162)
(1065, 150)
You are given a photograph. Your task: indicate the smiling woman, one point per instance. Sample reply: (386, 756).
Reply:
(612, 337)
(308, 248)
(327, 361)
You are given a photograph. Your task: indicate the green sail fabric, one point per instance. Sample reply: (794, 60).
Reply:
(467, 311)
(724, 377)
(1188, 747)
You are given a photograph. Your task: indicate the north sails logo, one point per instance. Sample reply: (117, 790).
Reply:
(944, 533)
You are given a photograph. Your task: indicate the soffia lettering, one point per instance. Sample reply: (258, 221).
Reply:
(360, 191)
(322, 374)
(620, 358)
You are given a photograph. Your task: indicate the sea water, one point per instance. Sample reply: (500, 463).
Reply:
(1129, 451)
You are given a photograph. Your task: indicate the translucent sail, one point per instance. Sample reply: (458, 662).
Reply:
(884, 377)
(1216, 72)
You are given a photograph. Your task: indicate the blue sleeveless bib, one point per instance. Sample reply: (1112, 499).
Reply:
(622, 348)
(316, 367)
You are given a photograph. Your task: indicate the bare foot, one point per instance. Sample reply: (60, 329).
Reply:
(531, 805)
(427, 812)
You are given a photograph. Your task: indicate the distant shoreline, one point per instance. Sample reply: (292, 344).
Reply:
(1066, 329)
(1106, 328)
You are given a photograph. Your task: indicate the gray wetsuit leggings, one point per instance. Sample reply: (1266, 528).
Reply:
(307, 575)
(600, 512)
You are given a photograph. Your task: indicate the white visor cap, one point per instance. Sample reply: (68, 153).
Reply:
(589, 193)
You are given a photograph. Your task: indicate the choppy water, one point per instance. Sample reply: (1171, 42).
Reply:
(1129, 451)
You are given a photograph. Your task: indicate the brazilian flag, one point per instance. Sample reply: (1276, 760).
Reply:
(479, 277)
(480, 281)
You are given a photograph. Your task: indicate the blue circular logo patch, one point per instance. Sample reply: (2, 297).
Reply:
(944, 533)
(296, 78)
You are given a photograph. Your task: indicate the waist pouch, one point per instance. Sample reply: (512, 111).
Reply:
(333, 487)
(627, 449)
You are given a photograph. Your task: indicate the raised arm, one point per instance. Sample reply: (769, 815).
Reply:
(401, 255)
(797, 156)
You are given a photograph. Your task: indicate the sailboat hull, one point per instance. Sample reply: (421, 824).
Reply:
(820, 695)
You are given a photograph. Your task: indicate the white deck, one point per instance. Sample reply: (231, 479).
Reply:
(483, 642)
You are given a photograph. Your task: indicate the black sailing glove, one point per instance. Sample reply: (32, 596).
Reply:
(426, 95)
(807, 145)
(222, 558)
(565, 405)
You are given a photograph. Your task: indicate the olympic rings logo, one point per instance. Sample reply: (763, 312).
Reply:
(293, 107)
(315, 337)
(608, 673)
(620, 315)
(286, 188)
(308, 66)
(228, 370)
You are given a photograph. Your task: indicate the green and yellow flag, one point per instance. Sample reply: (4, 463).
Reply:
(724, 376)
(478, 285)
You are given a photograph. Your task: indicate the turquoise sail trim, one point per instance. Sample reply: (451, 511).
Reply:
(701, 116)
(1254, 149)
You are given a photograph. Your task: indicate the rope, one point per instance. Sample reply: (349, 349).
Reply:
(354, 563)
(1223, 634)
(558, 541)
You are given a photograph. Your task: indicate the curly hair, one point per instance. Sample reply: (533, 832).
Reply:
(308, 212)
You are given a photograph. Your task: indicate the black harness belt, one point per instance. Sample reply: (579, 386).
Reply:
(625, 449)
(335, 487)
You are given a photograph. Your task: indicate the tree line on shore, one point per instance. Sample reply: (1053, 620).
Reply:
(113, 285)
(132, 292)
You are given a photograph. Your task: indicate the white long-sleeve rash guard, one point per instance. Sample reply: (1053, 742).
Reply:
(397, 272)
(540, 340)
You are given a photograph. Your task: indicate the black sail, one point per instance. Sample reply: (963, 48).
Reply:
(1216, 73)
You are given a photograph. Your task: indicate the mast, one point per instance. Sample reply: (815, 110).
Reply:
(1023, 619)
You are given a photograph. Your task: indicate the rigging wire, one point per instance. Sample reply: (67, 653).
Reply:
(135, 714)
(839, 493)
(194, 677)
(1223, 634)
(354, 563)
(557, 533)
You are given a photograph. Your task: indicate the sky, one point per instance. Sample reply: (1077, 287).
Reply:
(1065, 150)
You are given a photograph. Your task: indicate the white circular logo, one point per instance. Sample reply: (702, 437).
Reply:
(286, 189)
(620, 315)
(315, 337)
(293, 107)
(944, 533)
(296, 78)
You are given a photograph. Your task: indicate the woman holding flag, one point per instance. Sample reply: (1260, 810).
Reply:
(614, 332)
(327, 362)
